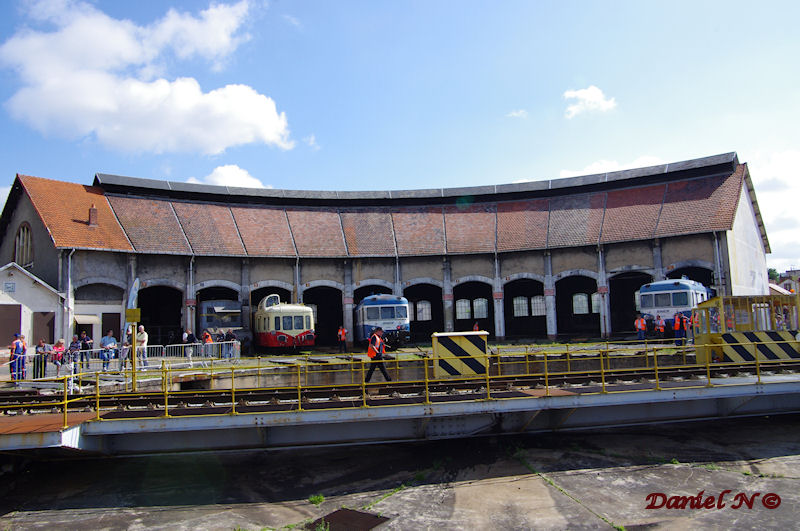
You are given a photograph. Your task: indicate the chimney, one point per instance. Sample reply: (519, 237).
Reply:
(93, 216)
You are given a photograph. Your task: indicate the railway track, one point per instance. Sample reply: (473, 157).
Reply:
(191, 403)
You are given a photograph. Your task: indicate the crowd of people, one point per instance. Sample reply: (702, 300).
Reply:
(75, 357)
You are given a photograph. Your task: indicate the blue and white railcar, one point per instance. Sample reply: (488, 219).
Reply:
(668, 297)
(387, 311)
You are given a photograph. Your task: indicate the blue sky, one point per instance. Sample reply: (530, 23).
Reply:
(394, 95)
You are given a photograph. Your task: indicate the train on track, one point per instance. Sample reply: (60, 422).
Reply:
(282, 325)
(668, 297)
(390, 312)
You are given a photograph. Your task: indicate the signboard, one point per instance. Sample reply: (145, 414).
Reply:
(133, 315)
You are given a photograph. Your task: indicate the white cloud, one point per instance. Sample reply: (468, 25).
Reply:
(517, 113)
(293, 21)
(4, 191)
(229, 175)
(775, 178)
(311, 140)
(588, 99)
(90, 75)
(605, 166)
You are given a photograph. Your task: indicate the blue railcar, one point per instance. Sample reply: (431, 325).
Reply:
(668, 297)
(387, 311)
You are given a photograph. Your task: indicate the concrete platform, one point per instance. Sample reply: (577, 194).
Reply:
(587, 480)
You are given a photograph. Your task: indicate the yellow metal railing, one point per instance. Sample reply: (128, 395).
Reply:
(161, 387)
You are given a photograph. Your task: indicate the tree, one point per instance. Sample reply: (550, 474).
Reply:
(773, 274)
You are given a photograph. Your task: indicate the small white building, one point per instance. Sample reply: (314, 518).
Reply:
(28, 305)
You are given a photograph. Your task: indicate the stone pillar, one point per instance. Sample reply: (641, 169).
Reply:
(347, 303)
(244, 296)
(191, 301)
(658, 264)
(499, 307)
(397, 289)
(550, 297)
(297, 293)
(447, 295)
(602, 291)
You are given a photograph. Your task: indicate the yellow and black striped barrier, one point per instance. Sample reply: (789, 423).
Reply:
(747, 346)
(459, 354)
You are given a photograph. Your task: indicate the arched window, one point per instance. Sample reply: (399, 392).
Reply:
(580, 304)
(480, 308)
(423, 311)
(463, 310)
(537, 306)
(595, 302)
(520, 306)
(23, 246)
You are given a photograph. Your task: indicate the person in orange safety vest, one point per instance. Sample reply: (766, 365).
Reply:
(375, 350)
(342, 336)
(659, 327)
(640, 325)
(679, 324)
(476, 326)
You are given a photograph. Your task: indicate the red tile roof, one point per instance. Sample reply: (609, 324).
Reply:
(470, 229)
(695, 205)
(419, 231)
(317, 232)
(151, 225)
(368, 233)
(632, 214)
(64, 210)
(575, 220)
(210, 229)
(522, 225)
(264, 231)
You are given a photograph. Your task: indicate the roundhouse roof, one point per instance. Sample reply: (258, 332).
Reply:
(150, 216)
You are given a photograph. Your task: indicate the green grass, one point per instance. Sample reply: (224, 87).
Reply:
(316, 499)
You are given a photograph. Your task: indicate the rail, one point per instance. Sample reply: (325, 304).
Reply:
(298, 386)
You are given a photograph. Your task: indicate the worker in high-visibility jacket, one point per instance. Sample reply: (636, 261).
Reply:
(679, 325)
(640, 325)
(659, 325)
(476, 326)
(375, 350)
(342, 336)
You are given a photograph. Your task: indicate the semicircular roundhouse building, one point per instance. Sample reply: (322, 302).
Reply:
(533, 259)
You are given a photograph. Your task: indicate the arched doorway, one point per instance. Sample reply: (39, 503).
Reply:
(426, 311)
(102, 302)
(524, 308)
(622, 298)
(578, 307)
(161, 313)
(218, 308)
(327, 304)
(473, 302)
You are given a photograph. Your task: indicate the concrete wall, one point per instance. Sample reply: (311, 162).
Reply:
(525, 262)
(95, 267)
(45, 255)
(272, 269)
(380, 268)
(622, 255)
(574, 258)
(746, 253)
(321, 269)
(421, 267)
(687, 248)
(466, 265)
(153, 267)
(216, 268)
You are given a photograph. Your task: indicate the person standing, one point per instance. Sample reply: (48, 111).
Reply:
(659, 327)
(109, 345)
(86, 350)
(141, 345)
(40, 360)
(230, 342)
(58, 356)
(73, 354)
(641, 326)
(342, 335)
(679, 326)
(17, 357)
(476, 327)
(375, 351)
